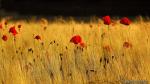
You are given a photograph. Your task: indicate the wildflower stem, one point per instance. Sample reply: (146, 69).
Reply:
(109, 32)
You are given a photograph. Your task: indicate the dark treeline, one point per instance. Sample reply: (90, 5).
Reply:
(77, 7)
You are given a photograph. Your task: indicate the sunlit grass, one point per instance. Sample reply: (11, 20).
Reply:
(54, 60)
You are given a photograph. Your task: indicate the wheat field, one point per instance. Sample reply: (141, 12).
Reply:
(54, 60)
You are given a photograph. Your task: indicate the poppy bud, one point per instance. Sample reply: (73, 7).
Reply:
(37, 37)
(4, 38)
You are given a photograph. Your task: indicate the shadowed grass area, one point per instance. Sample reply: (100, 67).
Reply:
(113, 53)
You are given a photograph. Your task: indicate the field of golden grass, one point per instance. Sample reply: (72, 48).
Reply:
(54, 60)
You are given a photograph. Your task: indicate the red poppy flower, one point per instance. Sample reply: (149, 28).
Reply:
(107, 20)
(125, 21)
(4, 38)
(76, 39)
(13, 30)
(127, 45)
(1, 26)
(37, 37)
